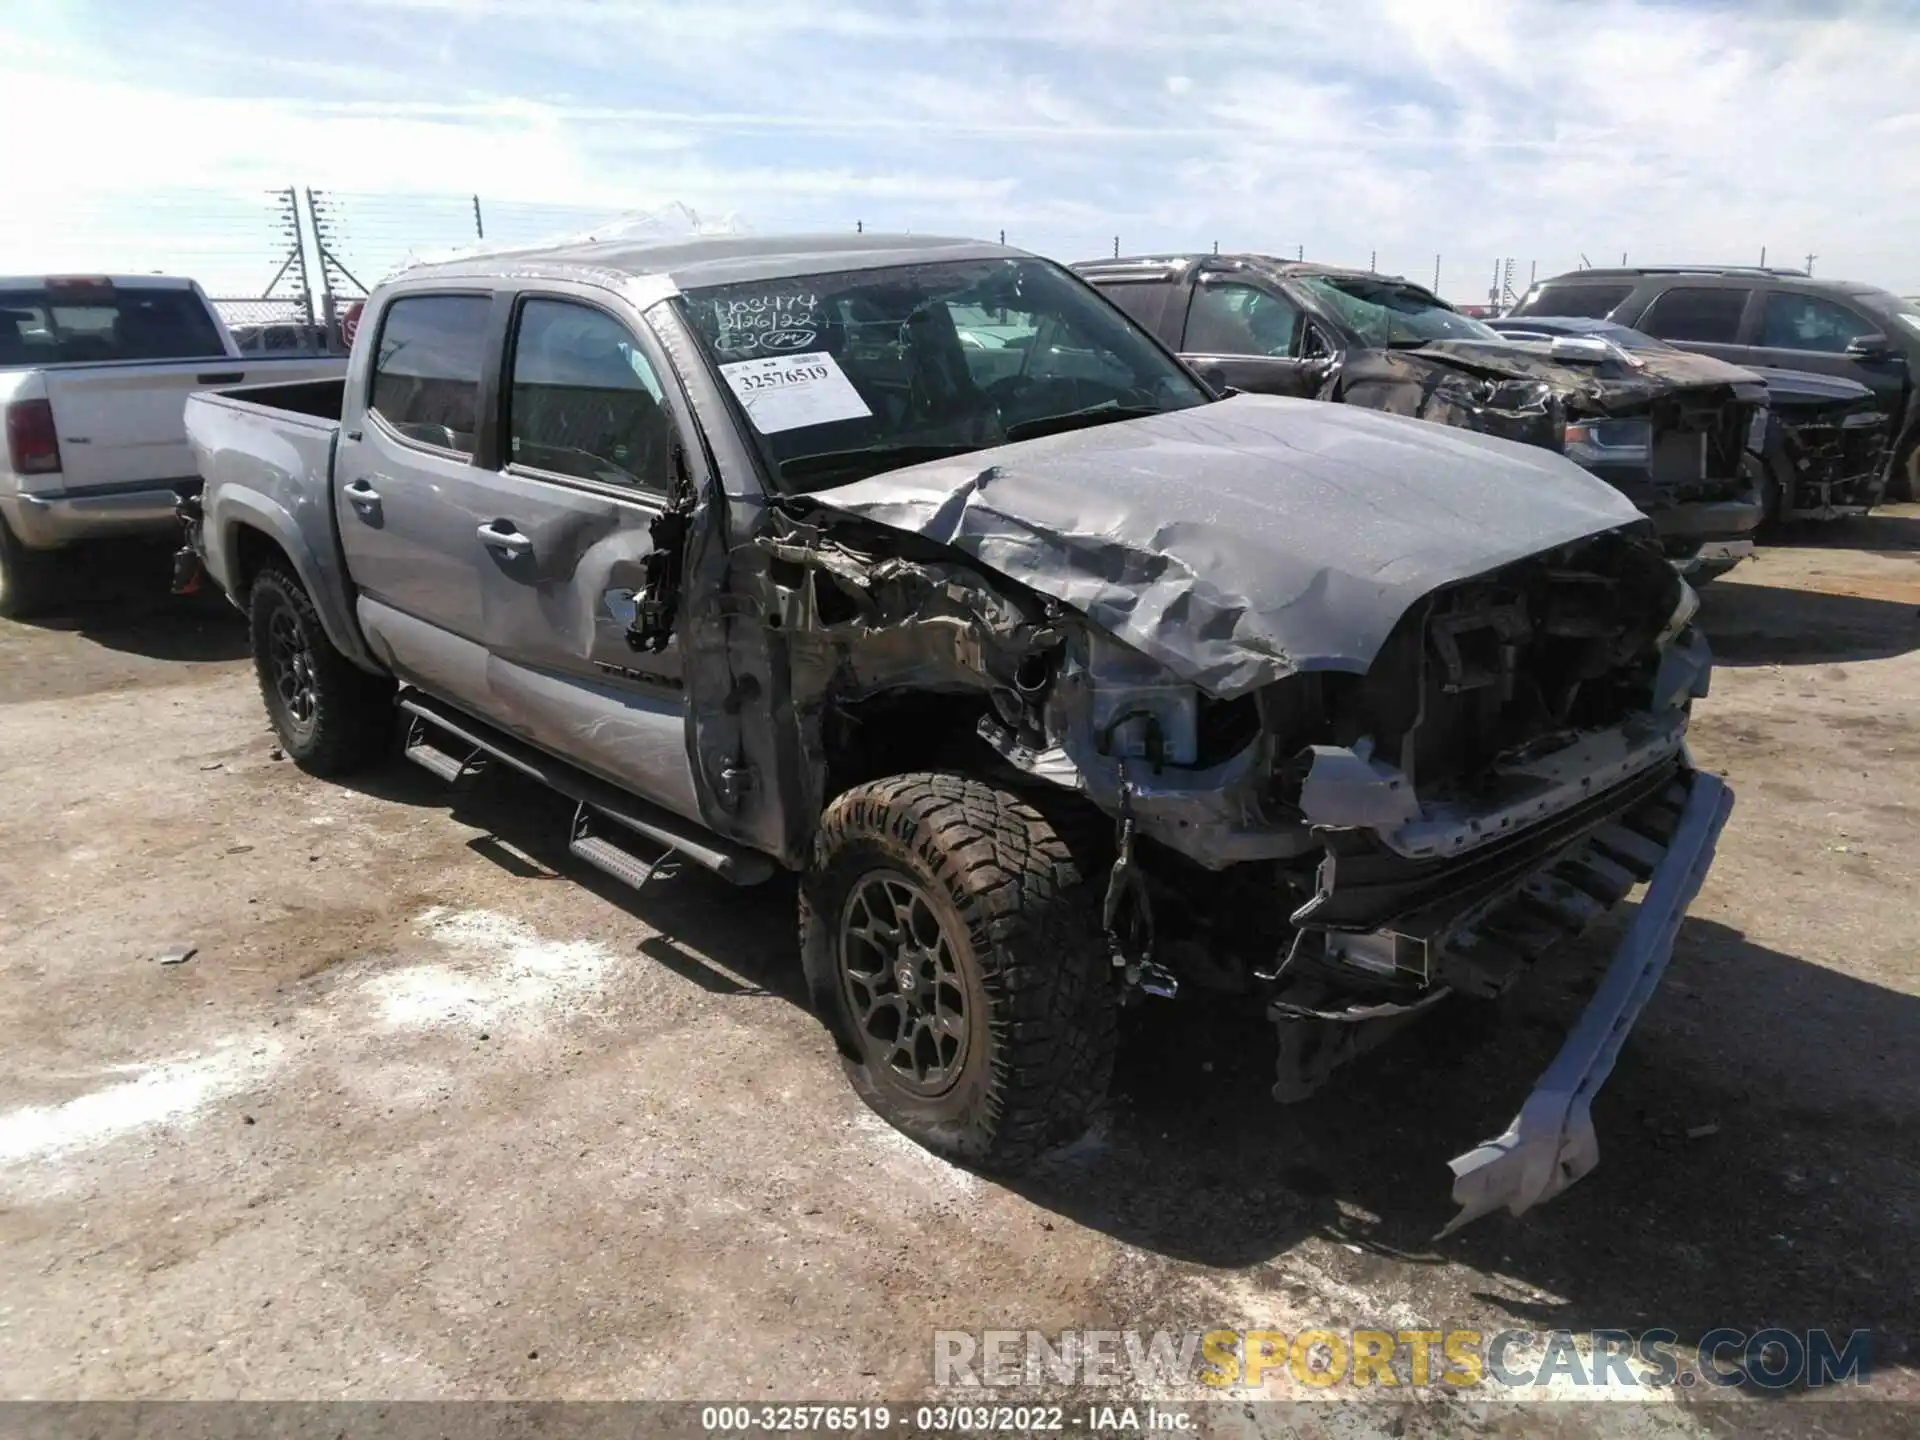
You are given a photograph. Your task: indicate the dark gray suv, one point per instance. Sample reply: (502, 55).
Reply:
(1766, 319)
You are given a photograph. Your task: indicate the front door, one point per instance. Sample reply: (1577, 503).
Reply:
(1250, 338)
(589, 461)
(1811, 332)
(403, 493)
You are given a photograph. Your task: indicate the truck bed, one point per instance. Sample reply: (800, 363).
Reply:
(266, 453)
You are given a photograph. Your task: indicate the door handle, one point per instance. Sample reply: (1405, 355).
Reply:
(504, 535)
(359, 492)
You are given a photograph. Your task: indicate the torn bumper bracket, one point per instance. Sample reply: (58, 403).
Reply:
(1551, 1143)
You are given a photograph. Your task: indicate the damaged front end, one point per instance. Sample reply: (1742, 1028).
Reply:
(1826, 447)
(1671, 431)
(1344, 789)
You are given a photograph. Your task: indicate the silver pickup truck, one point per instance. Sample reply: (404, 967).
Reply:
(915, 567)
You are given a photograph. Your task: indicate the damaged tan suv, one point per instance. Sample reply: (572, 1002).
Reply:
(915, 567)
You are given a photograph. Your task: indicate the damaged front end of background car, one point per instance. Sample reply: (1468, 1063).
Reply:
(1826, 448)
(1672, 431)
(1362, 733)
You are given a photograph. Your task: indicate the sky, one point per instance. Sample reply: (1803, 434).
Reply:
(142, 136)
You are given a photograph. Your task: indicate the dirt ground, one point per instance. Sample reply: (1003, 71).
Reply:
(433, 1111)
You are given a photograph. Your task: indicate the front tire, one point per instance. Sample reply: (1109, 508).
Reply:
(331, 716)
(951, 946)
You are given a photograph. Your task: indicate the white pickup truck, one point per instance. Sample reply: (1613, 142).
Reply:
(94, 375)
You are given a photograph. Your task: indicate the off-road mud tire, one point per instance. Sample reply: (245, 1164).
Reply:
(350, 713)
(1021, 925)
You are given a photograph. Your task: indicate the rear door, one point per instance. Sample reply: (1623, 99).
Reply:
(406, 491)
(590, 453)
(1710, 319)
(1250, 337)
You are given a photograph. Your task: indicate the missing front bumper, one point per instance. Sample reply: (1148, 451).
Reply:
(1551, 1143)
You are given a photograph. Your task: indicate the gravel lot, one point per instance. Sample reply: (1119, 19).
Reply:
(435, 1112)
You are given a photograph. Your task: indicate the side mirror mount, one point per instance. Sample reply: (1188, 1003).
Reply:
(1215, 379)
(1874, 346)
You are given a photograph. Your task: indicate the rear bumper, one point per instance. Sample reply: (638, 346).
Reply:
(53, 519)
(1551, 1143)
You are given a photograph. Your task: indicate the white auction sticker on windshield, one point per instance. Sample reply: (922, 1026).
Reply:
(786, 392)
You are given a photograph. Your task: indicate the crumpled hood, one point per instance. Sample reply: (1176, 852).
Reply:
(1240, 542)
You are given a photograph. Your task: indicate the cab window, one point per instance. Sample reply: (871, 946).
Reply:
(426, 372)
(583, 401)
(1233, 319)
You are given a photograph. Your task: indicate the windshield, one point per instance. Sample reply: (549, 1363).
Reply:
(1383, 313)
(1903, 308)
(845, 375)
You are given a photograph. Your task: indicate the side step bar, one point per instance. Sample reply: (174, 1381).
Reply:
(665, 829)
(457, 772)
(609, 857)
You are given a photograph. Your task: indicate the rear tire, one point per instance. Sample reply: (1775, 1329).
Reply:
(332, 717)
(26, 576)
(955, 954)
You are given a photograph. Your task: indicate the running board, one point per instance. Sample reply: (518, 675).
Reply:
(609, 857)
(671, 832)
(430, 757)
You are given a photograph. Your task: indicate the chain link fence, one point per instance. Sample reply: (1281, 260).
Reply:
(285, 266)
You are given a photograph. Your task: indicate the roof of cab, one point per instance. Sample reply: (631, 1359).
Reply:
(1163, 266)
(689, 263)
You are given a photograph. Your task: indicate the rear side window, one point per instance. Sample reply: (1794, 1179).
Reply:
(426, 377)
(1592, 302)
(584, 401)
(1695, 312)
(98, 323)
(1806, 322)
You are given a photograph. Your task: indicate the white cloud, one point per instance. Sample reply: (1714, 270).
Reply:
(1539, 129)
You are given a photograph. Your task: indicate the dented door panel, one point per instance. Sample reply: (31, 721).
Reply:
(556, 614)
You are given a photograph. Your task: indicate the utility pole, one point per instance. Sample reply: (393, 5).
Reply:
(1116, 247)
(1003, 237)
(1299, 252)
(1373, 260)
(479, 230)
(1811, 257)
(1436, 274)
(1763, 257)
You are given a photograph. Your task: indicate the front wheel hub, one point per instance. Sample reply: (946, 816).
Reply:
(902, 983)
